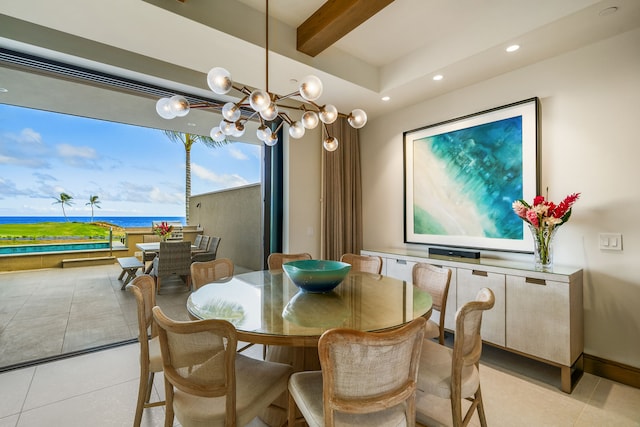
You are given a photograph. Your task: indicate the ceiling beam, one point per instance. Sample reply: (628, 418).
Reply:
(332, 21)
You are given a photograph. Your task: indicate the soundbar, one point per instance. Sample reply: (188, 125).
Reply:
(454, 252)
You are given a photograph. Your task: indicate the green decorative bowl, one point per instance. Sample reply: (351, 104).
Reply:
(316, 276)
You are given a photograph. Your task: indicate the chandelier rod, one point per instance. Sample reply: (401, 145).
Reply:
(266, 50)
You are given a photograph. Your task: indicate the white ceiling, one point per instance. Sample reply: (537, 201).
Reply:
(395, 53)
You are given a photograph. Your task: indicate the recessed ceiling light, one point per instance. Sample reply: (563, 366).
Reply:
(3, 90)
(438, 77)
(191, 124)
(512, 48)
(386, 98)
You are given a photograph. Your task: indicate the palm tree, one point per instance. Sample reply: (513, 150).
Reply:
(64, 199)
(188, 140)
(93, 201)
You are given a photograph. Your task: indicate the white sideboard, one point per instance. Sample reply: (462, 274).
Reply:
(536, 314)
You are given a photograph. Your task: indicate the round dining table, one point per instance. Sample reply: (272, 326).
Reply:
(267, 308)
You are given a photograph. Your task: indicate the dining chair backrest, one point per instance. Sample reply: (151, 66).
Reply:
(364, 263)
(197, 241)
(174, 258)
(210, 271)
(435, 280)
(200, 360)
(204, 243)
(276, 259)
(365, 373)
(143, 289)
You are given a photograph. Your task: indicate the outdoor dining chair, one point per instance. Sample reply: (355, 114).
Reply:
(174, 259)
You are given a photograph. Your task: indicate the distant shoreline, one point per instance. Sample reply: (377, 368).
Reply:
(121, 221)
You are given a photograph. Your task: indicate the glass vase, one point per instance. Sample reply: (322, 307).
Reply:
(543, 246)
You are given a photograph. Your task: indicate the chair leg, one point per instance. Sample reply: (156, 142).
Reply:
(456, 411)
(149, 387)
(142, 395)
(481, 414)
(168, 411)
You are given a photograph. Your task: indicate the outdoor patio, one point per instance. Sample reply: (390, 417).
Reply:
(49, 312)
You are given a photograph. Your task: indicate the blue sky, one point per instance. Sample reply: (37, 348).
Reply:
(134, 171)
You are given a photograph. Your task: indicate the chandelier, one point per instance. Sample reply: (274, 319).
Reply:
(267, 107)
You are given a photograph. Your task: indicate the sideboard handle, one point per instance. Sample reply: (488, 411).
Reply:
(479, 273)
(535, 281)
(401, 261)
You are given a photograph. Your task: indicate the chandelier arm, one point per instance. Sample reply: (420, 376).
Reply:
(286, 118)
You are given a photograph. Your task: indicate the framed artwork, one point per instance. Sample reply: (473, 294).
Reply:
(461, 177)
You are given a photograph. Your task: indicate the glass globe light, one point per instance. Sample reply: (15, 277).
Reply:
(219, 80)
(227, 127)
(269, 113)
(296, 130)
(328, 114)
(238, 129)
(271, 140)
(330, 144)
(179, 105)
(259, 100)
(231, 112)
(217, 134)
(310, 119)
(163, 110)
(310, 88)
(357, 119)
(263, 133)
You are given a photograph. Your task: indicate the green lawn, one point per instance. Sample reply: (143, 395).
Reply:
(45, 232)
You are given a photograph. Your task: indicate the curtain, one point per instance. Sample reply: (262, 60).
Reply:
(342, 194)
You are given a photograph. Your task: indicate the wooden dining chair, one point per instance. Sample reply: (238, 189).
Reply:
(454, 373)
(276, 259)
(174, 259)
(143, 288)
(210, 271)
(206, 382)
(367, 379)
(364, 263)
(434, 280)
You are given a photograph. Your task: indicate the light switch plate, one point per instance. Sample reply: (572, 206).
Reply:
(610, 241)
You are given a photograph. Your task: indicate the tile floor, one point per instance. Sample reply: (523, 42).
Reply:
(99, 389)
(44, 313)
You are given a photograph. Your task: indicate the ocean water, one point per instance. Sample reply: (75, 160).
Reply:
(122, 221)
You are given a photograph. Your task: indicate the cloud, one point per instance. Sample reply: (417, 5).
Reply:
(30, 136)
(237, 154)
(8, 189)
(223, 181)
(80, 157)
(25, 149)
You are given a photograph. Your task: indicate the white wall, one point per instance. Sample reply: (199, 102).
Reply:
(590, 113)
(302, 193)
